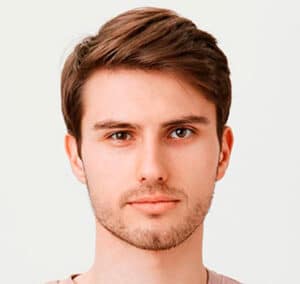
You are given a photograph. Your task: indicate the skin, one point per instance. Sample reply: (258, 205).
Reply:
(182, 162)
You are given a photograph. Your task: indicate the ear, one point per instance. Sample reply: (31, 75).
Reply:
(75, 160)
(224, 157)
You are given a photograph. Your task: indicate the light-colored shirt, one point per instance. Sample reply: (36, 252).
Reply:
(213, 278)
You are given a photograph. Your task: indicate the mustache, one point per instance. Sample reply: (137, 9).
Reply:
(153, 189)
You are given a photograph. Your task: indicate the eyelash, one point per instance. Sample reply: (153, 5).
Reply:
(128, 132)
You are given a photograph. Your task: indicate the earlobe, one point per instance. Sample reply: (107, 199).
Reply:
(227, 144)
(74, 158)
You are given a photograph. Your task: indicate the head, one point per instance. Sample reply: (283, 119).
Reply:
(146, 68)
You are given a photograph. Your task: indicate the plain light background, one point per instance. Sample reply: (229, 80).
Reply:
(252, 231)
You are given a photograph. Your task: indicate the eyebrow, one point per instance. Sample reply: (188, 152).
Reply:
(111, 124)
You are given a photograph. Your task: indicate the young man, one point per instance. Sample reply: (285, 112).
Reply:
(146, 102)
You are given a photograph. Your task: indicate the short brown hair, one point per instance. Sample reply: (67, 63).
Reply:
(148, 39)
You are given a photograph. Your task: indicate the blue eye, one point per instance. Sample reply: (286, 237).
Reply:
(181, 131)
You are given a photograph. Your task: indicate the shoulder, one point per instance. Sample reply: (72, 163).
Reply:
(216, 278)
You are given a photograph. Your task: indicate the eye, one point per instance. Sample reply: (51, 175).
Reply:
(181, 131)
(119, 135)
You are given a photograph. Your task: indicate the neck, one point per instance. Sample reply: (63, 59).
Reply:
(118, 262)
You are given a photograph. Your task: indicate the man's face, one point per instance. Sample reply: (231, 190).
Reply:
(150, 183)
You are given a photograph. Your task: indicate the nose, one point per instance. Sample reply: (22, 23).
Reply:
(152, 164)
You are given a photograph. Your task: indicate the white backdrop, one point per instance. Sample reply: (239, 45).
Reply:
(252, 231)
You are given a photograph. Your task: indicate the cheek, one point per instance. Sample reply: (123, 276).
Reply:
(197, 166)
(107, 172)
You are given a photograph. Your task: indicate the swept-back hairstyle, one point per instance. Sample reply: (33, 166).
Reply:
(148, 39)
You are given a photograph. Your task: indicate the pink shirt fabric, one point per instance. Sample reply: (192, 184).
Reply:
(213, 278)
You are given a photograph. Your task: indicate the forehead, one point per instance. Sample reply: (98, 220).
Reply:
(142, 96)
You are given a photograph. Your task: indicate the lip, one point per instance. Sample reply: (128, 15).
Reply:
(154, 205)
(153, 199)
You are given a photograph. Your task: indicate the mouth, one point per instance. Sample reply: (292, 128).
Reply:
(153, 199)
(154, 205)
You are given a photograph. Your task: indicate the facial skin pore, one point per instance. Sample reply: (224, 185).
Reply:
(165, 146)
